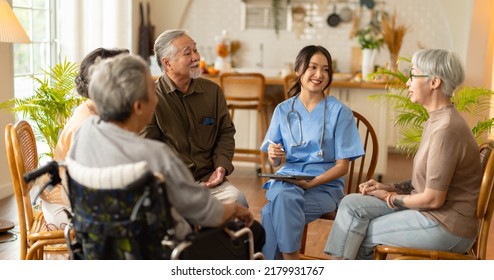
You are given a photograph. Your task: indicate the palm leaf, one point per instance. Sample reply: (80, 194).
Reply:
(481, 128)
(52, 103)
(410, 117)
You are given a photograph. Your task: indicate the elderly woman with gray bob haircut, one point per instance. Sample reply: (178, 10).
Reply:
(115, 87)
(436, 209)
(443, 64)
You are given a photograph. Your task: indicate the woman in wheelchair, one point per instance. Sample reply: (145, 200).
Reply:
(123, 91)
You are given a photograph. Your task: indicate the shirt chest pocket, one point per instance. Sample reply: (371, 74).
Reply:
(205, 134)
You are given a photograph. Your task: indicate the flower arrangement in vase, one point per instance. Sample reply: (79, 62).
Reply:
(370, 42)
(393, 35)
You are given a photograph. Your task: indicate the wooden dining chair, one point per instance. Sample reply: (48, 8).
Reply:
(22, 157)
(245, 92)
(288, 82)
(485, 209)
(361, 170)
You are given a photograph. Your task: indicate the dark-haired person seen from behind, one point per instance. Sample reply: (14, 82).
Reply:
(436, 209)
(55, 202)
(315, 135)
(192, 116)
(123, 92)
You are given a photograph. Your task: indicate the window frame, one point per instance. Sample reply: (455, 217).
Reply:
(23, 80)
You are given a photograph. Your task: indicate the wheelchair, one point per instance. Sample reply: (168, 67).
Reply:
(122, 212)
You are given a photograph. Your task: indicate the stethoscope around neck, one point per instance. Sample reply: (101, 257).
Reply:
(301, 142)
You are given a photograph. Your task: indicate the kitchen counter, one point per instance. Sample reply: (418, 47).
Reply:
(339, 84)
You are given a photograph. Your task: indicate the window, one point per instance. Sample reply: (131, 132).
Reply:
(38, 19)
(258, 14)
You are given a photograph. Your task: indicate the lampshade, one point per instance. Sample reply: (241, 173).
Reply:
(10, 28)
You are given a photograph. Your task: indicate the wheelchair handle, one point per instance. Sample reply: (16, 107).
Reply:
(51, 167)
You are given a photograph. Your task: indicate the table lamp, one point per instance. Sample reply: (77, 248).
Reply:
(11, 31)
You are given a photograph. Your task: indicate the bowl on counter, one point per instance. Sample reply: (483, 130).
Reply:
(342, 76)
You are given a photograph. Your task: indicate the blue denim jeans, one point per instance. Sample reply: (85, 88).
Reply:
(364, 221)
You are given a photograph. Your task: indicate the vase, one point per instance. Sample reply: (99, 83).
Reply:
(393, 62)
(223, 64)
(368, 56)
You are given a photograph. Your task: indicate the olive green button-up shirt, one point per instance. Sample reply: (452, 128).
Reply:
(196, 124)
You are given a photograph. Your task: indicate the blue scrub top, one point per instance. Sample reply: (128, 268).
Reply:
(341, 137)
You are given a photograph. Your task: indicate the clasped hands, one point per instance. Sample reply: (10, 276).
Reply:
(375, 188)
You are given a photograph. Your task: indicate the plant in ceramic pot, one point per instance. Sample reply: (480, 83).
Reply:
(51, 105)
(277, 7)
(370, 42)
(410, 117)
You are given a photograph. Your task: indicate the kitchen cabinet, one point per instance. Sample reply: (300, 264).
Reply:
(374, 111)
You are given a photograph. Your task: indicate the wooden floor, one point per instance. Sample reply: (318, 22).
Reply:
(399, 168)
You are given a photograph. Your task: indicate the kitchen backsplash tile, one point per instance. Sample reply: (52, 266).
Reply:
(206, 19)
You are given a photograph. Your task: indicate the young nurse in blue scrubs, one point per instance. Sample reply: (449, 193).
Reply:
(313, 134)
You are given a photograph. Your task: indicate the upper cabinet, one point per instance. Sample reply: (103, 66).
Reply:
(266, 14)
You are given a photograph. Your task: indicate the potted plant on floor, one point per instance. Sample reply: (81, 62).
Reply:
(410, 117)
(51, 105)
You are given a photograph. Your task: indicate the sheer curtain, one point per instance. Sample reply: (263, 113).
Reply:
(89, 24)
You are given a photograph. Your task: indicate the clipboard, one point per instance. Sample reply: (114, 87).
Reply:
(287, 176)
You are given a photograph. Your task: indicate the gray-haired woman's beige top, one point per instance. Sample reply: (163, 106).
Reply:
(448, 159)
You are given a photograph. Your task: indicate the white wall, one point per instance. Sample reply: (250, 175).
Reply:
(433, 23)
(6, 91)
(479, 44)
(429, 26)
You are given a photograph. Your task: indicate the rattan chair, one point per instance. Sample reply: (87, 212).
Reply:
(22, 156)
(361, 170)
(485, 208)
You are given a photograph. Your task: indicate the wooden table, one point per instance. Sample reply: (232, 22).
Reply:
(279, 81)
(269, 80)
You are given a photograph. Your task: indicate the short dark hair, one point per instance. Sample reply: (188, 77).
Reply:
(82, 79)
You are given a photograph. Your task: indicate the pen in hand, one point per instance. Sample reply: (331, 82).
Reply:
(271, 141)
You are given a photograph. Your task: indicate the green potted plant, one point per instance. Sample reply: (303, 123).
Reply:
(368, 39)
(277, 7)
(51, 105)
(370, 43)
(410, 117)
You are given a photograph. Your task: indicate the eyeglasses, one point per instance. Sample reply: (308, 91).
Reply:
(418, 76)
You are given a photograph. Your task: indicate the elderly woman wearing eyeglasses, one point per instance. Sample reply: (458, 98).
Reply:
(436, 209)
(314, 135)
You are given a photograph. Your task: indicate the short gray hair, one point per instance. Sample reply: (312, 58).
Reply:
(116, 83)
(444, 64)
(163, 45)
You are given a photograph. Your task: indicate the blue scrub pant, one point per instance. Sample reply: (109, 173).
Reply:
(288, 209)
(364, 221)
